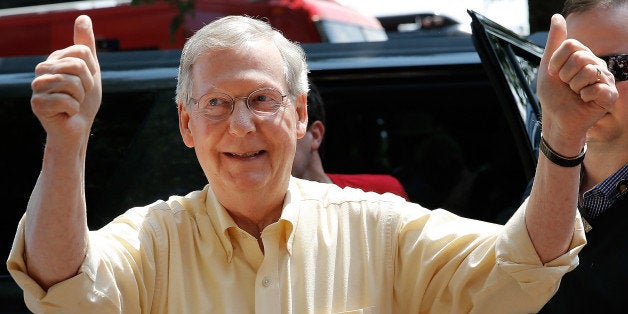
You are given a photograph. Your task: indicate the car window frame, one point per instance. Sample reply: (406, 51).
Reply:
(498, 48)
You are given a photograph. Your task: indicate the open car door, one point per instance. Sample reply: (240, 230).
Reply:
(511, 63)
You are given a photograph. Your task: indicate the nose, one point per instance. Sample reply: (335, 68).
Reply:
(241, 119)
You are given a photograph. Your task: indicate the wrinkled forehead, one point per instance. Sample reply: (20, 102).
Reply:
(255, 61)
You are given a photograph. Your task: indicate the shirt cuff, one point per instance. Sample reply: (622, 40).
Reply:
(36, 298)
(516, 255)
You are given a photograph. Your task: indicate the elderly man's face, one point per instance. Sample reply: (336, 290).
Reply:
(244, 153)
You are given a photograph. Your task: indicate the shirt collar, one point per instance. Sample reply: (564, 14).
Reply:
(290, 213)
(604, 194)
(222, 221)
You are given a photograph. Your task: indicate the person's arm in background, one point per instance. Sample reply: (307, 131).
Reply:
(572, 100)
(66, 97)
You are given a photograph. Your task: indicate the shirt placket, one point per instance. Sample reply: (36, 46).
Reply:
(267, 284)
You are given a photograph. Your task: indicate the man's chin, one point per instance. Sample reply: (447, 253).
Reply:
(251, 181)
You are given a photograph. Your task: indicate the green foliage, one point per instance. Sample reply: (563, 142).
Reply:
(184, 8)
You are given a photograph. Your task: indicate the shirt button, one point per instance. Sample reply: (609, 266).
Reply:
(266, 282)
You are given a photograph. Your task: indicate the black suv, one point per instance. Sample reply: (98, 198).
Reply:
(445, 115)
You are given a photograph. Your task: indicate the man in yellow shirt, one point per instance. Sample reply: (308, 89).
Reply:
(257, 239)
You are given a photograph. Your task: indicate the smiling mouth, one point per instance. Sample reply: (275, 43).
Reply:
(246, 155)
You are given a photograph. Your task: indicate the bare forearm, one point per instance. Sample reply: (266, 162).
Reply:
(551, 211)
(56, 224)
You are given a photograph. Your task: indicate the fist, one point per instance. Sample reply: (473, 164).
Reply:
(67, 88)
(575, 88)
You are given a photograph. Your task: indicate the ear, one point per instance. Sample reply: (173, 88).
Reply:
(184, 126)
(317, 129)
(301, 107)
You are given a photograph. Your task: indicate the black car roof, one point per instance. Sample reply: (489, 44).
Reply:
(159, 68)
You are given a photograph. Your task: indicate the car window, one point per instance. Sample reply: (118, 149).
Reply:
(125, 124)
(135, 156)
(135, 167)
(439, 130)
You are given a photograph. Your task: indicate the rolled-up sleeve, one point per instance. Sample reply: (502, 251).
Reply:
(454, 265)
(103, 285)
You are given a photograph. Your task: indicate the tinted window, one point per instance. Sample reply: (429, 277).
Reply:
(134, 163)
(440, 131)
(135, 156)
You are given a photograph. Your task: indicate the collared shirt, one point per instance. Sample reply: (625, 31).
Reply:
(604, 194)
(333, 250)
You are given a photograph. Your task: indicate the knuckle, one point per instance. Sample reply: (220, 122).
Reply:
(76, 65)
(66, 65)
(36, 100)
(582, 58)
(38, 104)
(609, 77)
(42, 68)
(572, 44)
(83, 50)
(83, 53)
(574, 87)
(40, 83)
(613, 95)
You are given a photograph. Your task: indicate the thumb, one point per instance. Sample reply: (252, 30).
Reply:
(84, 33)
(557, 34)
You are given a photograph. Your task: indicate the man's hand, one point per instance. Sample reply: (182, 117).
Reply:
(574, 87)
(67, 89)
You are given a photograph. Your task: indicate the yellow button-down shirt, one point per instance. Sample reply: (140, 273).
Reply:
(332, 251)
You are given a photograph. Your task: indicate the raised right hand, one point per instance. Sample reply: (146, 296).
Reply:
(67, 89)
(574, 87)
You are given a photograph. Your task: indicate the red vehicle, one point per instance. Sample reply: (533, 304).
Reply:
(38, 30)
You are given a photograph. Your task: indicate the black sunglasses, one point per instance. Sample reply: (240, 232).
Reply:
(618, 65)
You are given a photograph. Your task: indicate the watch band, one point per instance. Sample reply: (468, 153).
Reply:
(559, 159)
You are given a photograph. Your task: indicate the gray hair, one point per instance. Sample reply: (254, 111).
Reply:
(233, 32)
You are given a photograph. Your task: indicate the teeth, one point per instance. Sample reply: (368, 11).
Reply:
(247, 154)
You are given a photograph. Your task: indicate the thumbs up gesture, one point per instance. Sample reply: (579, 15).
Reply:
(67, 89)
(574, 87)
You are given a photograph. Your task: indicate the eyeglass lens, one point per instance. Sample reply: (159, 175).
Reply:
(262, 102)
(618, 65)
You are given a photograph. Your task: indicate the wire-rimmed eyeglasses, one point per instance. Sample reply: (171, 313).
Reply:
(618, 65)
(216, 106)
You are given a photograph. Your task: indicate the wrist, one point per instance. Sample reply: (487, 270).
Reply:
(565, 142)
(558, 158)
